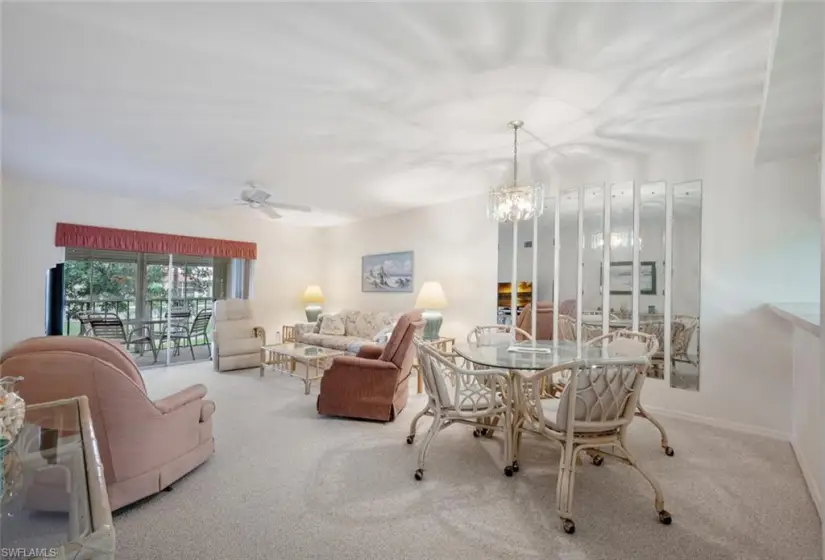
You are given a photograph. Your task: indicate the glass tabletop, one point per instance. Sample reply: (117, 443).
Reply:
(535, 355)
(299, 350)
(45, 495)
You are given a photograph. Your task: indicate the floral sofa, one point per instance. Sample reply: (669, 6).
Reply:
(360, 328)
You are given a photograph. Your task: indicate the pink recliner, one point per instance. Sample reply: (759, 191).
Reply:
(145, 446)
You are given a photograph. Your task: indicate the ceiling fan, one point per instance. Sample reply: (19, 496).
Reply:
(253, 196)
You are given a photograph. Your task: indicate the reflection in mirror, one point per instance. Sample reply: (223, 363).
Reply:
(651, 269)
(505, 268)
(568, 252)
(621, 255)
(592, 262)
(685, 286)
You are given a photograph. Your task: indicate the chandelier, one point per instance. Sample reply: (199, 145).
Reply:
(514, 203)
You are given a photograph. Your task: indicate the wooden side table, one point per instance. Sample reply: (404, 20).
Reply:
(442, 344)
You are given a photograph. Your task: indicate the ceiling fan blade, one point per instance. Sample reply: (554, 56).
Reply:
(266, 209)
(282, 206)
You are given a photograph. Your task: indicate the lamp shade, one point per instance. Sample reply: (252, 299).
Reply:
(431, 296)
(313, 294)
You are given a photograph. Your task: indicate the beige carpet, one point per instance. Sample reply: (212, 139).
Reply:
(287, 484)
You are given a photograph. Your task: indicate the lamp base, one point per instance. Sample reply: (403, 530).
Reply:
(434, 320)
(313, 312)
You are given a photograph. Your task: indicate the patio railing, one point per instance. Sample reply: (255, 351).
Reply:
(126, 309)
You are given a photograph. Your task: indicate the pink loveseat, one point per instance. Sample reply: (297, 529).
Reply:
(145, 446)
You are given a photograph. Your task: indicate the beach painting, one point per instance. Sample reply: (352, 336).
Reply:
(387, 272)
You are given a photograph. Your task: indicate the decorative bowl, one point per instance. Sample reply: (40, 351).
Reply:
(12, 412)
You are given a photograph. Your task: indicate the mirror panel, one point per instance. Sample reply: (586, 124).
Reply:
(652, 218)
(621, 255)
(685, 285)
(569, 252)
(505, 268)
(593, 239)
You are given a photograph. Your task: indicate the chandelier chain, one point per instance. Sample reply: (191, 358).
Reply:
(515, 156)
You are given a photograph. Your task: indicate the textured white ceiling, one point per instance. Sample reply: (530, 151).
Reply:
(362, 109)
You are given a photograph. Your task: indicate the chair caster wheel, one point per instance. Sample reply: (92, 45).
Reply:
(419, 474)
(410, 439)
(516, 466)
(598, 460)
(669, 451)
(476, 432)
(508, 470)
(664, 518)
(568, 526)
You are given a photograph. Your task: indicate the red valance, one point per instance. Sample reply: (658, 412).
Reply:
(92, 237)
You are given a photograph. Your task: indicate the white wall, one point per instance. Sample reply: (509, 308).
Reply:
(748, 214)
(454, 243)
(288, 257)
(807, 413)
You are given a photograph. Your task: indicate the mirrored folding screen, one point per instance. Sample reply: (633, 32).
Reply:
(614, 256)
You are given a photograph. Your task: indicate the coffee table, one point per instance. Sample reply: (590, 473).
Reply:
(281, 358)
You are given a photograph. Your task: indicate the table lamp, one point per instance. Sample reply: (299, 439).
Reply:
(313, 297)
(430, 299)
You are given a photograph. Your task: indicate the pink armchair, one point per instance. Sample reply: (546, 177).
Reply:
(374, 384)
(544, 320)
(145, 446)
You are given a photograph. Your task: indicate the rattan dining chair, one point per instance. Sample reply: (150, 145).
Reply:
(458, 395)
(110, 326)
(594, 412)
(491, 334)
(634, 344)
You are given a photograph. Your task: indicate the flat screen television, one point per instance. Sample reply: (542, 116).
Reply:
(55, 300)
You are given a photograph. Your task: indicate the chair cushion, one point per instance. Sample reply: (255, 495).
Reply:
(333, 325)
(233, 309)
(401, 339)
(550, 409)
(228, 330)
(627, 347)
(238, 346)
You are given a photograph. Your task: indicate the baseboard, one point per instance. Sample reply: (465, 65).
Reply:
(717, 423)
(810, 479)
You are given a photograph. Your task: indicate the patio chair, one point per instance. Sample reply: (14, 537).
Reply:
(110, 327)
(185, 333)
(592, 416)
(83, 318)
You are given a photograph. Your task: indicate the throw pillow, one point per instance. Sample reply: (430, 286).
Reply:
(317, 328)
(384, 334)
(333, 325)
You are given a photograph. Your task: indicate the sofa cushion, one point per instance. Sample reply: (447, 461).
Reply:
(333, 325)
(334, 342)
(350, 317)
(238, 346)
(369, 325)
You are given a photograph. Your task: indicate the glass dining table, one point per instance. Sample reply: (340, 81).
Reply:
(528, 358)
